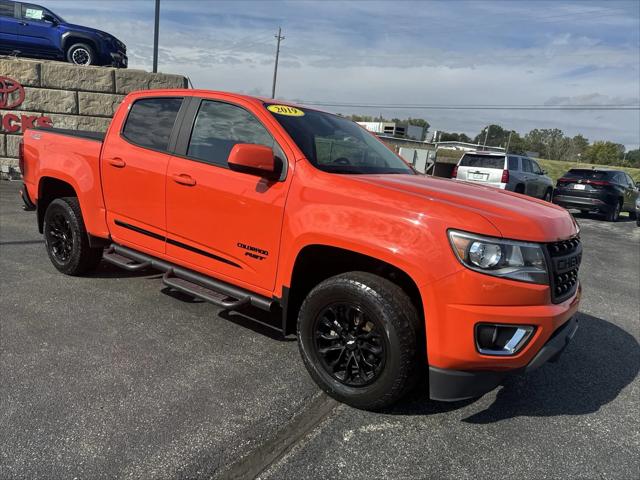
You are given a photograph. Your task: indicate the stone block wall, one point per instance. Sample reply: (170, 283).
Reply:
(74, 97)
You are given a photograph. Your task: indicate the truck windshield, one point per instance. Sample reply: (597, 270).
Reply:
(337, 145)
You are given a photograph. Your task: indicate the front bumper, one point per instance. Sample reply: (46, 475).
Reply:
(28, 203)
(454, 385)
(119, 60)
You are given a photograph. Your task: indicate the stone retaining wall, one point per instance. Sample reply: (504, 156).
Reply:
(74, 97)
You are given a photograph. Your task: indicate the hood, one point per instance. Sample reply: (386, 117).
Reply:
(515, 216)
(84, 29)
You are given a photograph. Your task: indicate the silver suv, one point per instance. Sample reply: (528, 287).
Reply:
(509, 172)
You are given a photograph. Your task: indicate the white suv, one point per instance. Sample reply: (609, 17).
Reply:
(509, 172)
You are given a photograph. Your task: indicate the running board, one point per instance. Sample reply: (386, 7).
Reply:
(219, 293)
(204, 293)
(123, 262)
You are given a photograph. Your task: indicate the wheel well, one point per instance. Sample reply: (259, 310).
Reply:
(316, 263)
(74, 40)
(50, 189)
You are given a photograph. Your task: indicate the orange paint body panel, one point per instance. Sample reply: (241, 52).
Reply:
(249, 231)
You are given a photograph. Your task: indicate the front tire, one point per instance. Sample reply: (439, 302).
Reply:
(548, 195)
(81, 54)
(358, 334)
(66, 238)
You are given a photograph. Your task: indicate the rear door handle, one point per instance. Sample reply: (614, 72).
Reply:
(24, 24)
(117, 162)
(184, 179)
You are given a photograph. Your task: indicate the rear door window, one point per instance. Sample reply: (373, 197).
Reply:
(482, 161)
(6, 9)
(150, 122)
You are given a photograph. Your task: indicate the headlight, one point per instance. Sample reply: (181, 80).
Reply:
(501, 258)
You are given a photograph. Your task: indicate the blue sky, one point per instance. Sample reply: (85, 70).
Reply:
(402, 53)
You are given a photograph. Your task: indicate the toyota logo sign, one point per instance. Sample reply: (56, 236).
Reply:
(11, 93)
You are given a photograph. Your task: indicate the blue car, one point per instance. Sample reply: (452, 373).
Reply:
(30, 30)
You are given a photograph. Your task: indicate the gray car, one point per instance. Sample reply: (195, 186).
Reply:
(509, 172)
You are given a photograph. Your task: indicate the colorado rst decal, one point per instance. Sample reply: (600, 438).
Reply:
(253, 252)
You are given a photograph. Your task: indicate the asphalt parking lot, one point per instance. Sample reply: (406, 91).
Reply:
(110, 376)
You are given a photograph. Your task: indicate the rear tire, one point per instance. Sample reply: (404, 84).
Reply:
(358, 334)
(66, 239)
(614, 213)
(81, 54)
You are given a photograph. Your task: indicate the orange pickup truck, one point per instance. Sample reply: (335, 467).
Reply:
(386, 275)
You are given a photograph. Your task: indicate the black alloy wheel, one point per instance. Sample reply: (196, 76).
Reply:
(66, 238)
(59, 237)
(349, 344)
(359, 335)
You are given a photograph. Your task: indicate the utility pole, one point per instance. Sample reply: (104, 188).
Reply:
(155, 37)
(275, 69)
(508, 142)
(484, 146)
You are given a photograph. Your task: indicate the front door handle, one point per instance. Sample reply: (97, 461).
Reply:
(24, 24)
(117, 162)
(184, 179)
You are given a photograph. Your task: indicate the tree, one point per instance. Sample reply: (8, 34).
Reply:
(633, 158)
(453, 137)
(604, 153)
(497, 136)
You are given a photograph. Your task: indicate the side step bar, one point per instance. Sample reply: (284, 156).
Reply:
(198, 291)
(193, 283)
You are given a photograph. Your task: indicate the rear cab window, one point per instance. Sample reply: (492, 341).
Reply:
(482, 161)
(150, 122)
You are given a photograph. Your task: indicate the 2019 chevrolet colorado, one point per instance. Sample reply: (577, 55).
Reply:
(381, 272)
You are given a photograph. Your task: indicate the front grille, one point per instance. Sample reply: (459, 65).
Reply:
(564, 262)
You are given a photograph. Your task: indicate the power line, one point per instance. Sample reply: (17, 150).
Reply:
(474, 107)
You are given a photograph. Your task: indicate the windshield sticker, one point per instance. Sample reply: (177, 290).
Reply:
(286, 110)
(34, 14)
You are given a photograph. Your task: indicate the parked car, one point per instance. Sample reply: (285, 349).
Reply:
(33, 31)
(508, 172)
(608, 192)
(379, 270)
(638, 210)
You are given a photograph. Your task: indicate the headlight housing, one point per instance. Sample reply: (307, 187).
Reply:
(511, 259)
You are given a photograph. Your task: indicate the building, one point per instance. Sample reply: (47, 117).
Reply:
(393, 129)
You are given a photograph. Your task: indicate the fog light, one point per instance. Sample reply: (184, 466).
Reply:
(494, 339)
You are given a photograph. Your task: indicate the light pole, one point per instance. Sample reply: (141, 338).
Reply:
(156, 32)
(484, 145)
(506, 150)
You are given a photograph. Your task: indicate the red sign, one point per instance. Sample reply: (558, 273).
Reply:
(11, 96)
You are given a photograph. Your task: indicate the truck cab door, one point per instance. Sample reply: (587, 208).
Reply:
(134, 165)
(35, 34)
(8, 26)
(223, 222)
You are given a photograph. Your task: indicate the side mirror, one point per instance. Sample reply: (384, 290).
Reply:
(544, 172)
(254, 160)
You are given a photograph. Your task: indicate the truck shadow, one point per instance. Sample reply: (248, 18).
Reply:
(599, 363)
